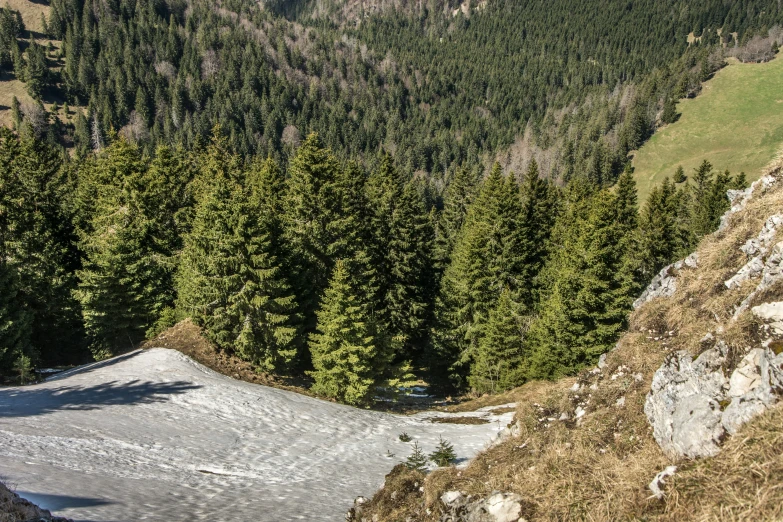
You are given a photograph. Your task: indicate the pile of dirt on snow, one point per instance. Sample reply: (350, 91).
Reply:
(582, 448)
(14, 508)
(187, 338)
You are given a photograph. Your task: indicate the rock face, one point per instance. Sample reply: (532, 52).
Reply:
(498, 507)
(772, 314)
(665, 283)
(685, 403)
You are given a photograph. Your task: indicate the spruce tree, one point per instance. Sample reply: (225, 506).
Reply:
(444, 453)
(312, 207)
(15, 320)
(498, 364)
(585, 308)
(703, 199)
(679, 175)
(417, 460)
(230, 280)
(658, 229)
(349, 352)
(456, 201)
(407, 305)
(490, 256)
(539, 211)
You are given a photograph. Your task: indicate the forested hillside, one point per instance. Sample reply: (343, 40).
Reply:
(433, 89)
(319, 195)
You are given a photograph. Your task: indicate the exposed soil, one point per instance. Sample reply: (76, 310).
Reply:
(461, 420)
(186, 337)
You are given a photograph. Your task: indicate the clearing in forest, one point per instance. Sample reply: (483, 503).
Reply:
(736, 123)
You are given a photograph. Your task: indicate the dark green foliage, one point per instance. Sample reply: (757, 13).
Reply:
(670, 114)
(36, 244)
(24, 369)
(404, 437)
(443, 455)
(403, 240)
(15, 321)
(312, 212)
(417, 460)
(585, 308)
(679, 175)
(36, 73)
(124, 283)
(230, 279)
(499, 361)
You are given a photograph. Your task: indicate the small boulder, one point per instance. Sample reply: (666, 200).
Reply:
(656, 486)
(504, 507)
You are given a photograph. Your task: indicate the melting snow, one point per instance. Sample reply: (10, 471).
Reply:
(153, 435)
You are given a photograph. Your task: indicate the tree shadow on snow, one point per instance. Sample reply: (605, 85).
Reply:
(28, 402)
(58, 502)
(87, 368)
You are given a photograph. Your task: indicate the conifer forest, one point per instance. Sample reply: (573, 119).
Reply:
(325, 188)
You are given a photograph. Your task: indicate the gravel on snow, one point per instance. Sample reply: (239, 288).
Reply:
(153, 435)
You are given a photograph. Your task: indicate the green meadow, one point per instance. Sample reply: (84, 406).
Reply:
(736, 123)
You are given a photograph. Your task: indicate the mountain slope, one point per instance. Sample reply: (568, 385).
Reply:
(583, 448)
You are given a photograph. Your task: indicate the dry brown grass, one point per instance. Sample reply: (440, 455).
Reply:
(598, 468)
(31, 13)
(186, 337)
(743, 482)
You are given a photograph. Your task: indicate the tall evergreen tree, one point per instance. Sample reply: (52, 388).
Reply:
(120, 281)
(499, 361)
(539, 211)
(348, 351)
(586, 306)
(488, 258)
(312, 206)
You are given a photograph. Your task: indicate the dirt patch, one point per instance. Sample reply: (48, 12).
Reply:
(501, 411)
(186, 337)
(459, 420)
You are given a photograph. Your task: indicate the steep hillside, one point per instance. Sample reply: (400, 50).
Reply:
(584, 447)
(736, 123)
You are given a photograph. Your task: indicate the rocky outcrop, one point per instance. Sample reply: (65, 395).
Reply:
(664, 284)
(740, 198)
(498, 507)
(18, 508)
(693, 405)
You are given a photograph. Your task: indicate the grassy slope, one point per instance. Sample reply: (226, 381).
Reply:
(736, 123)
(9, 86)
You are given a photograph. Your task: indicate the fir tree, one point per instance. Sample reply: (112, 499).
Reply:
(586, 306)
(456, 201)
(417, 460)
(679, 175)
(348, 352)
(312, 206)
(702, 199)
(230, 280)
(407, 305)
(488, 257)
(539, 211)
(15, 320)
(444, 453)
(498, 364)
